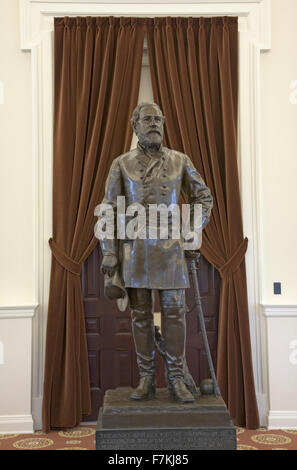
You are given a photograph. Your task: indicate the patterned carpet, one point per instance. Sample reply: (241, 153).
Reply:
(80, 438)
(263, 439)
(83, 438)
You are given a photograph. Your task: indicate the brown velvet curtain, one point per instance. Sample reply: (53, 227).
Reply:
(194, 68)
(97, 65)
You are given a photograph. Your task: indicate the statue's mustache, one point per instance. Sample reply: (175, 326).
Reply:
(154, 130)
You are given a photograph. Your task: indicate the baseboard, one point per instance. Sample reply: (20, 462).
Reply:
(282, 420)
(37, 412)
(16, 424)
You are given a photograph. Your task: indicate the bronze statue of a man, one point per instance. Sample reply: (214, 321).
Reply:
(153, 174)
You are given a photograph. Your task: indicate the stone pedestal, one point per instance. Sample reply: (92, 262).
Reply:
(163, 424)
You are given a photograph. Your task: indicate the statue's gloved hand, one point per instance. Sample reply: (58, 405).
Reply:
(109, 265)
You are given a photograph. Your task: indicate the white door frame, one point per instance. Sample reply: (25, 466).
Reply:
(36, 32)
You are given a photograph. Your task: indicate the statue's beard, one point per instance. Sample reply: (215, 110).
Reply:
(150, 145)
(153, 146)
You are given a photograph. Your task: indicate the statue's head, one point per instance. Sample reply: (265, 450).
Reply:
(148, 124)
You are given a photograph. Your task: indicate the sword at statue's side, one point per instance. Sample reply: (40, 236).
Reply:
(194, 256)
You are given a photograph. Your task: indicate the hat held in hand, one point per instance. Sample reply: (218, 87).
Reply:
(114, 289)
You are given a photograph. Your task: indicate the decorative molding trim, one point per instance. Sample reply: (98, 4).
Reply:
(27, 311)
(37, 23)
(36, 16)
(37, 413)
(279, 311)
(16, 424)
(262, 402)
(144, 2)
(282, 420)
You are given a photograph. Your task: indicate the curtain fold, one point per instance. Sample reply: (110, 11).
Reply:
(194, 70)
(97, 64)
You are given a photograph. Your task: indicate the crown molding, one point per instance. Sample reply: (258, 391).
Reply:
(37, 16)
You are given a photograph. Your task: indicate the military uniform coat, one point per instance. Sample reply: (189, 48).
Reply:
(154, 179)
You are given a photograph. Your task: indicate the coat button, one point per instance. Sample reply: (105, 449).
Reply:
(150, 199)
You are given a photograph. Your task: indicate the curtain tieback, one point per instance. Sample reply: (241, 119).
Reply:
(235, 261)
(64, 260)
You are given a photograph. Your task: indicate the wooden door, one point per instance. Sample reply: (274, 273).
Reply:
(209, 287)
(112, 358)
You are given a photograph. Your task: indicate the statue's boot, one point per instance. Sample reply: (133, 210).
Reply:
(143, 334)
(180, 392)
(146, 389)
(174, 330)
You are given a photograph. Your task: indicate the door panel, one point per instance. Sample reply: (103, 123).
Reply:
(112, 358)
(209, 287)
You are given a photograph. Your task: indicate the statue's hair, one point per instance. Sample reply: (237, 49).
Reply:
(136, 112)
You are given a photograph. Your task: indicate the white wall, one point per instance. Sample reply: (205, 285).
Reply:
(14, 362)
(282, 366)
(17, 231)
(278, 188)
(279, 169)
(16, 203)
(279, 213)
(15, 371)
